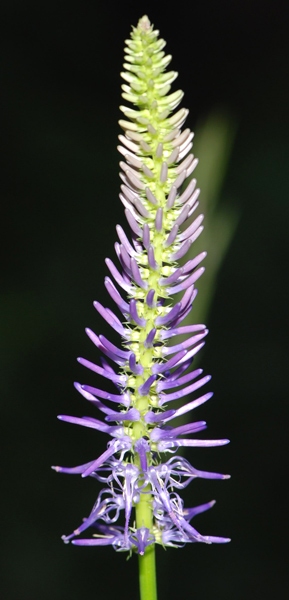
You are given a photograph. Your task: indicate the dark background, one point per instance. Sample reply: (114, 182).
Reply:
(60, 64)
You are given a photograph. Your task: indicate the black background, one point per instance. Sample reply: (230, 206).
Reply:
(60, 64)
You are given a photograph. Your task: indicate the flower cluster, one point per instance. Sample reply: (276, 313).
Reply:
(140, 482)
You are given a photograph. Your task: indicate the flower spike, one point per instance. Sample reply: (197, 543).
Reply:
(149, 372)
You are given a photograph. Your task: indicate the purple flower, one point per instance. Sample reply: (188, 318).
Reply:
(147, 367)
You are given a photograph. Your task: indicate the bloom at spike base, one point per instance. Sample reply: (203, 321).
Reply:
(149, 373)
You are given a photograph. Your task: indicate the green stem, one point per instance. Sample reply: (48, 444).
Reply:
(147, 564)
(147, 574)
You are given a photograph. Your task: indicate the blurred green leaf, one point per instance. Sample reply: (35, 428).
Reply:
(215, 137)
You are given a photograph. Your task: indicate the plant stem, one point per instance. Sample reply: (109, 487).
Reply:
(147, 565)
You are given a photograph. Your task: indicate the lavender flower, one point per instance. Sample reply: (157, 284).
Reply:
(139, 479)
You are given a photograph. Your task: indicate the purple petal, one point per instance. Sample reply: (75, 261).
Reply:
(182, 357)
(160, 367)
(94, 541)
(164, 172)
(184, 313)
(121, 379)
(209, 475)
(131, 415)
(124, 257)
(114, 446)
(208, 539)
(144, 389)
(171, 197)
(180, 179)
(128, 143)
(185, 429)
(173, 156)
(136, 274)
(151, 259)
(133, 179)
(191, 531)
(91, 423)
(134, 314)
(187, 282)
(122, 353)
(166, 350)
(172, 314)
(172, 236)
(185, 164)
(191, 264)
(188, 297)
(164, 446)
(113, 321)
(212, 539)
(141, 208)
(192, 228)
(127, 203)
(172, 278)
(141, 539)
(162, 492)
(193, 201)
(118, 398)
(151, 198)
(137, 245)
(182, 216)
(106, 365)
(185, 391)
(146, 235)
(142, 447)
(118, 277)
(147, 172)
(134, 367)
(124, 241)
(115, 295)
(117, 322)
(130, 479)
(188, 191)
(73, 470)
(192, 167)
(171, 376)
(166, 434)
(159, 219)
(128, 193)
(187, 407)
(174, 380)
(180, 330)
(185, 468)
(132, 222)
(194, 351)
(152, 417)
(181, 251)
(150, 299)
(189, 513)
(98, 511)
(91, 398)
(195, 236)
(148, 343)
(96, 340)
(159, 150)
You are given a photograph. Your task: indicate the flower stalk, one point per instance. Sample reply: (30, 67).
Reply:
(139, 479)
(147, 562)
